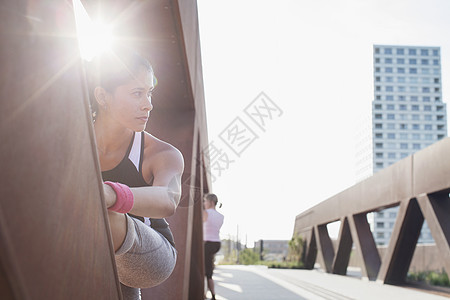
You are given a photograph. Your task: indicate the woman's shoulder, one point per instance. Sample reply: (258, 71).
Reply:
(154, 146)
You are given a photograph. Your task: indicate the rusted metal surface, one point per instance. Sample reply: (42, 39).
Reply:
(48, 161)
(54, 236)
(419, 184)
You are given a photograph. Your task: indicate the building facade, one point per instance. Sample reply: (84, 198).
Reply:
(408, 114)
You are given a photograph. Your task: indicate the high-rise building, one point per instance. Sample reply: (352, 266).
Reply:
(408, 114)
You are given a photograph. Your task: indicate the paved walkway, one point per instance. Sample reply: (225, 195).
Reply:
(261, 283)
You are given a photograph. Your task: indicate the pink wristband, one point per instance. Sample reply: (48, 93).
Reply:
(124, 197)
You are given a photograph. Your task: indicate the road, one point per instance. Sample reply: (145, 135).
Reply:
(234, 282)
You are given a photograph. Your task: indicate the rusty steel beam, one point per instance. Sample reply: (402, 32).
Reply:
(420, 184)
(325, 246)
(402, 243)
(365, 245)
(344, 249)
(436, 209)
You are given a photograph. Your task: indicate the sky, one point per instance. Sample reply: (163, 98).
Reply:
(312, 60)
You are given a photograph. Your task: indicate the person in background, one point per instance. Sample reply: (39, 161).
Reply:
(212, 222)
(141, 173)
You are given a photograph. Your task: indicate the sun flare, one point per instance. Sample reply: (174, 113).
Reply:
(94, 38)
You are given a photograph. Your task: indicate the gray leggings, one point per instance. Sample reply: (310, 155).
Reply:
(145, 259)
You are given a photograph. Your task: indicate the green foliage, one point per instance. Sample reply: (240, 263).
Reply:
(430, 277)
(296, 245)
(248, 257)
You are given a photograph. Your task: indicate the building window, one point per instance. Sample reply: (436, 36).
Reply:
(389, 97)
(377, 50)
(403, 126)
(400, 51)
(412, 61)
(391, 136)
(436, 71)
(388, 60)
(379, 155)
(412, 70)
(415, 126)
(426, 99)
(378, 97)
(414, 98)
(428, 136)
(427, 107)
(425, 71)
(413, 79)
(416, 136)
(389, 79)
(415, 117)
(387, 51)
(435, 62)
(436, 80)
(401, 70)
(377, 106)
(377, 69)
(378, 125)
(428, 117)
(390, 116)
(425, 89)
(439, 108)
(378, 116)
(402, 107)
(415, 107)
(424, 52)
(425, 80)
(412, 51)
(389, 88)
(436, 90)
(435, 52)
(427, 127)
(380, 225)
(403, 136)
(379, 145)
(401, 79)
(391, 155)
(378, 135)
(439, 117)
(403, 146)
(437, 99)
(424, 61)
(416, 146)
(440, 136)
(377, 60)
(378, 79)
(390, 126)
(378, 88)
(401, 98)
(440, 127)
(390, 107)
(413, 89)
(403, 155)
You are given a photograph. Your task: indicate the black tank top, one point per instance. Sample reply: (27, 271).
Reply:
(129, 172)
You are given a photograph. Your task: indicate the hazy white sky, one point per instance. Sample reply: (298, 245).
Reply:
(313, 59)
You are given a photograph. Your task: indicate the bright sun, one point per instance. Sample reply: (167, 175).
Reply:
(93, 37)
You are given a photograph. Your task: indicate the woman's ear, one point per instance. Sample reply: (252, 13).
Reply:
(100, 96)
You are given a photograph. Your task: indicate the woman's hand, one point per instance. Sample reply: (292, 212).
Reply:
(110, 195)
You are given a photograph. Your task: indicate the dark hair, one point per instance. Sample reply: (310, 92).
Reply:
(112, 69)
(213, 198)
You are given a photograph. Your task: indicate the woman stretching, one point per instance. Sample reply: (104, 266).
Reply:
(141, 173)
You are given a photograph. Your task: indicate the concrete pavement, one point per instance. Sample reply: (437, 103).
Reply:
(234, 282)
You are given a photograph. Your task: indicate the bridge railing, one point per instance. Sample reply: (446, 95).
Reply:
(418, 184)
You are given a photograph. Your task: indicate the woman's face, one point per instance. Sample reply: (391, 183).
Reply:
(130, 104)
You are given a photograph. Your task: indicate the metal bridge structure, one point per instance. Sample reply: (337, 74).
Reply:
(418, 184)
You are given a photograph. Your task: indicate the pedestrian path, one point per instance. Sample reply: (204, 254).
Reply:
(235, 282)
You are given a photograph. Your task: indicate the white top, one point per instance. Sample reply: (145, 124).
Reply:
(211, 227)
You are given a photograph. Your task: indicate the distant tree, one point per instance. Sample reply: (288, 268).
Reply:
(248, 257)
(296, 249)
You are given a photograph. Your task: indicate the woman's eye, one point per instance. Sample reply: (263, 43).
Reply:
(137, 94)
